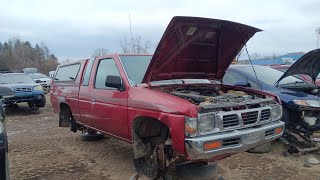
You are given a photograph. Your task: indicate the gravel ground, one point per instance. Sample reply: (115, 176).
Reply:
(39, 149)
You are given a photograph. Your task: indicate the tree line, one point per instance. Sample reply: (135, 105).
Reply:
(16, 55)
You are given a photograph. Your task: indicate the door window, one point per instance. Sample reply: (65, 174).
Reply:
(67, 73)
(106, 67)
(87, 72)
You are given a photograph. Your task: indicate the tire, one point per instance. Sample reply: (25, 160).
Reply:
(91, 136)
(41, 103)
(65, 117)
(197, 171)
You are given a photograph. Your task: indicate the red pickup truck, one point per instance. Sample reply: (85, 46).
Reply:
(171, 106)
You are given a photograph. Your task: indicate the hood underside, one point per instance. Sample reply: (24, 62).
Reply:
(309, 64)
(197, 48)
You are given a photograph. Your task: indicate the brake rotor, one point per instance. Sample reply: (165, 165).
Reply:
(161, 158)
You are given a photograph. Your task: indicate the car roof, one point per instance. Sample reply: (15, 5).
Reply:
(245, 65)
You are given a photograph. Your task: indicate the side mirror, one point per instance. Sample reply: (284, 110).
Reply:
(114, 81)
(242, 84)
(38, 81)
(6, 92)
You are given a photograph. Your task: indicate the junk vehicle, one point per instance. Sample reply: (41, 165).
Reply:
(171, 106)
(5, 92)
(30, 70)
(42, 79)
(300, 101)
(26, 90)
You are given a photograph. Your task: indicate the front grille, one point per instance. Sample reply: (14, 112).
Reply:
(249, 117)
(269, 132)
(230, 120)
(22, 89)
(231, 141)
(265, 115)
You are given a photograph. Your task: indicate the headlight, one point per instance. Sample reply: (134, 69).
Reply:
(206, 123)
(191, 126)
(276, 112)
(312, 103)
(38, 88)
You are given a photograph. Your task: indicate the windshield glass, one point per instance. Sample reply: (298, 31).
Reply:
(269, 75)
(37, 75)
(136, 67)
(15, 78)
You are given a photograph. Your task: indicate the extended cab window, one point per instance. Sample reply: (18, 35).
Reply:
(67, 73)
(87, 72)
(106, 67)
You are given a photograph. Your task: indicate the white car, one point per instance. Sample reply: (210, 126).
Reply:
(42, 79)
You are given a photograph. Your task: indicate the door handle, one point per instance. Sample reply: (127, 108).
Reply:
(93, 100)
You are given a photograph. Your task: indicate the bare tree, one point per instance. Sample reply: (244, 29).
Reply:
(135, 45)
(100, 52)
(16, 55)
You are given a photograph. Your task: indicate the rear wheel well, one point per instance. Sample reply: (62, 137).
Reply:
(64, 107)
(65, 115)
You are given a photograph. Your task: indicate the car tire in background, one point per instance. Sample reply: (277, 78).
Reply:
(91, 135)
(193, 171)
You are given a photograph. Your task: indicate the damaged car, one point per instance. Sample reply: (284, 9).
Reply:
(171, 106)
(300, 99)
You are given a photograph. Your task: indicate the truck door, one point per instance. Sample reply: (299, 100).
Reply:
(85, 105)
(109, 105)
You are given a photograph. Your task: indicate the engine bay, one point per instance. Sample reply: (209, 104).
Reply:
(216, 96)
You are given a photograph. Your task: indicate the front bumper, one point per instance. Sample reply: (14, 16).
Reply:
(235, 141)
(34, 96)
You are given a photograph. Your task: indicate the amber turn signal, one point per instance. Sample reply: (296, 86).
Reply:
(211, 145)
(278, 130)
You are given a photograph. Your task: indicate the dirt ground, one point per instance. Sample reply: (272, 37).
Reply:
(39, 149)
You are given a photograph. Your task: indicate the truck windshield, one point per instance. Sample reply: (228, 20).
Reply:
(136, 67)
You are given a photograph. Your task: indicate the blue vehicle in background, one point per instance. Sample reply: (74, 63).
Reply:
(5, 92)
(300, 101)
(25, 88)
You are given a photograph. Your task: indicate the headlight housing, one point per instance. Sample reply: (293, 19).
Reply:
(311, 103)
(191, 126)
(208, 122)
(38, 88)
(203, 124)
(276, 112)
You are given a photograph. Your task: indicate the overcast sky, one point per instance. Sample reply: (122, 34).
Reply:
(74, 28)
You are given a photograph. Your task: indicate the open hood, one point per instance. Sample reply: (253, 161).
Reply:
(197, 48)
(308, 64)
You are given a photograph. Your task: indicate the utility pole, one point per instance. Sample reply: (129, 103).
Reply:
(131, 29)
(318, 34)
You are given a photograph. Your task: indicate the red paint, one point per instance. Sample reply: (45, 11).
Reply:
(197, 48)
